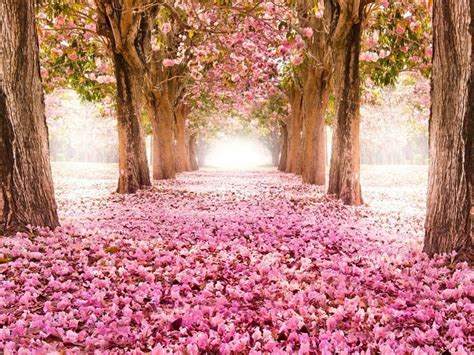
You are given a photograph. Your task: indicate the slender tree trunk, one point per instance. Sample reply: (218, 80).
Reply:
(162, 119)
(134, 173)
(26, 184)
(316, 95)
(294, 132)
(183, 161)
(192, 152)
(275, 150)
(284, 147)
(448, 222)
(344, 176)
(201, 151)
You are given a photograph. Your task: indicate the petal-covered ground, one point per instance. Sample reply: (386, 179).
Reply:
(233, 262)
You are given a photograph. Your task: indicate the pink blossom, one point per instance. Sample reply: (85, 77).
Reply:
(169, 62)
(72, 56)
(296, 60)
(307, 32)
(400, 30)
(166, 27)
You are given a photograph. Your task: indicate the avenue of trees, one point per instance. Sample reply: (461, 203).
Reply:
(286, 66)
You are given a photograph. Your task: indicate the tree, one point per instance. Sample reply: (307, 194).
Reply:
(78, 46)
(183, 159)
(451, 174)
(268, 117)
(284, 146)
(344, 176)
(315, 19)
(397, 41)
(294, 147)
(27, 193)
(119, 24)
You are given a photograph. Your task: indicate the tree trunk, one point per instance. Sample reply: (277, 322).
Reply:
(134, 173)
(162, 119)
(294, 132)
(201, 151)
(284, 147)
(316, 95)
(192, 153)
(344, 175)
(448, 225)
(183, 161)
(275, 150)
(27, 192)
(155, 154)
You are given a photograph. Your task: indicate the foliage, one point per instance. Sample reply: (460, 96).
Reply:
(397, 38)
(72, 54)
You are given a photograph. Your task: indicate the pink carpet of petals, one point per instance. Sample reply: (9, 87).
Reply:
(233, 263)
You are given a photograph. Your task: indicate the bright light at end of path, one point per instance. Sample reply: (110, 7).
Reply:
(237, 153)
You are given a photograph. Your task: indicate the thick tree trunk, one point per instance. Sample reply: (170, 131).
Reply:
(294, 163)
(192, 153)
(451, 131)
(183, 161)
(134, 173)
(344, 176)
(162, 119)
(284, 147)
(316, 95)
(26, 184)
(155, 154)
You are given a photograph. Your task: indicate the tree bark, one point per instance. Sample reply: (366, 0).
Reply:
(134, 173)
(294, 132)
(451, 129)
(284, 147)
(192, 153)
(162, 119)
(27, 192)
(183, 161)
(344, 175)
(316, 95)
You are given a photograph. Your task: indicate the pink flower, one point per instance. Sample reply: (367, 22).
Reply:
(429, 51)
(202, 340)
(169, 62)
(400, 30)
(158, 350)
(307, 32)
(71, 336)
(166, 27)
(44, 72)
(296, 60)
(269, 7)
(72, 56)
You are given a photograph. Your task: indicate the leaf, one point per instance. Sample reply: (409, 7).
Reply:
(112, 249)
(176, 324)
(5, 259)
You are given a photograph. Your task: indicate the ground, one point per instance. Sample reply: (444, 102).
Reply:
(233, 262)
